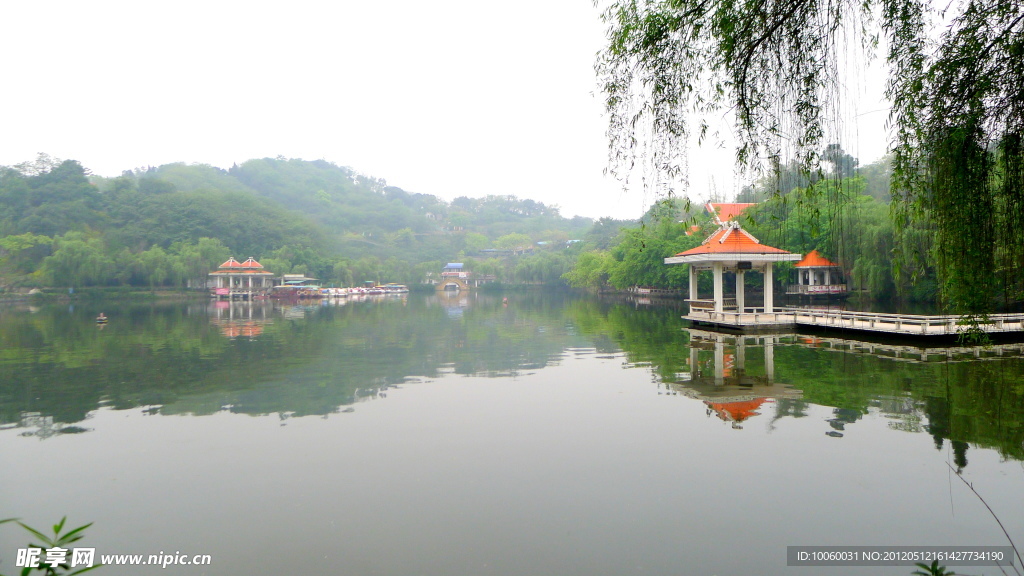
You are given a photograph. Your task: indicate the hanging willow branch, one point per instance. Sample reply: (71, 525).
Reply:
(957, 111)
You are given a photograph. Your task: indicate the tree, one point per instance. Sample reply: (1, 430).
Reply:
(843, 164)
(590, 270)
(77, 261)
(23, 253)
(515, 242)
(476, 242)
(43, 163)
(958, 109)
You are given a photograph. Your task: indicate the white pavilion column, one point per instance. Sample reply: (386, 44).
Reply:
(828, 276)
(769, 358)
(800, 277)
(694, 366)
(693, 282)
(769, 289)
(741, 356)
(719, 362)
(719, 297)
(740, 299)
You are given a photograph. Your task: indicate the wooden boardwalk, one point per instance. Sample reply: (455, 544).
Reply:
(753, 320)
(920, 352)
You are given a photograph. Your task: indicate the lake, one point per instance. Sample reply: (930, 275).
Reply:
(457, 435)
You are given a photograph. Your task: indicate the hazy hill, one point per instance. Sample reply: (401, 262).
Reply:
(311, 216)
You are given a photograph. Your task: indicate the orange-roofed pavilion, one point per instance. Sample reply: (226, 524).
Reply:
(731, 249)
(737, 411)
(817, 276)
(234, 279)
(815, 260)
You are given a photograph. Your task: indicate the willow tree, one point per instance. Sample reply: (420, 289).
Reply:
(956, 85)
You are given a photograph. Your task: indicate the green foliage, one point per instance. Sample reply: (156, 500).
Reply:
(591, 270)
(22, 253)
(932, 570)
(637, 258)
(48, 199)
(142, 228)
(58, 364)
(57, 540)
(515, 242)
(640, 256)
(957, 155)
(603, 234)
(852, 229)
(544, 268)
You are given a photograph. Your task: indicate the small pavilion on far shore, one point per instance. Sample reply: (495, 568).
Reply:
(731, 249)
(244, 280)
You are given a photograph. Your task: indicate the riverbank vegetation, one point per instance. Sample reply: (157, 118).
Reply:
(843, 213)
(781, 72)
(168, 226)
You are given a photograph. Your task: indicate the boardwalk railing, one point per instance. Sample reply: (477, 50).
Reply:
(908, 324)
(816, 289)
(902, 323)
(750, 317)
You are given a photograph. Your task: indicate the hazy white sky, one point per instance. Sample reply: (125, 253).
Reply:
(451, 98)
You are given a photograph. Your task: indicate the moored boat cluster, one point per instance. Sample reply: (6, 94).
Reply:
(289, 292)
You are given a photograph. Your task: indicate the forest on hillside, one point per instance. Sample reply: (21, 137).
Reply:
(167, 226)
(842, 211)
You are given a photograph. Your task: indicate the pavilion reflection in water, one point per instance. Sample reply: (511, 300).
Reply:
(721, 379)
(734, 376)
(240, 319)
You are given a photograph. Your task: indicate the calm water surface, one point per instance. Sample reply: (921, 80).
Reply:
(458, 436)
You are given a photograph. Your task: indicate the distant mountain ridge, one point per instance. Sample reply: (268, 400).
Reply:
(314, 216)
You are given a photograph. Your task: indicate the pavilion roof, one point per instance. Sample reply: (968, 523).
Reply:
(250, 266)
(726, 211)
(737, 411)
(242, 272)
(732, 243)
(251, 263)
(815, 260)
(732, 239)
(231, 263)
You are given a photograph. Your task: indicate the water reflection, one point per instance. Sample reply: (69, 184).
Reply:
(324, 358)
(719, 376)
(957, 394)
(240, 318)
